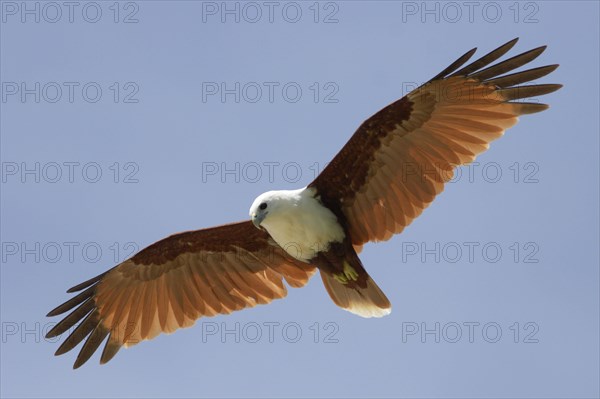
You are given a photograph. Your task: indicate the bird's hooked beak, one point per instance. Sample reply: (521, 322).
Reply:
(258, 218)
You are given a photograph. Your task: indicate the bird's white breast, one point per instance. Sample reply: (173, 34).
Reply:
(302, 226)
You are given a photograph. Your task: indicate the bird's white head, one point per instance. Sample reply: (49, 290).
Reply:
(269, 205)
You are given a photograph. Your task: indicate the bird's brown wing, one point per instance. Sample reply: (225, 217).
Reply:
(399, 159)
(172, 283)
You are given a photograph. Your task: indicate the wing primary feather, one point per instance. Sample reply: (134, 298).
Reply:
(82, 331)
(110, 350)
(523, 108)
(91, 344)
(486, 59)
(508, 65)
(89, 282)
(522, 77)
(71, 303)
(70, 320)
(456, 64)
(515, 93)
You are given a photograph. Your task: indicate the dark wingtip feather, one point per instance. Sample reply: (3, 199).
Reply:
(71, 303)
(524, 108)
(486, 59)
(110, 350)
(79, 287)
(523, 76)
(87, 283)
(73, 318)
(517, 92)
(509, 64)
(83, 330)
(91, 344)
(456, 64)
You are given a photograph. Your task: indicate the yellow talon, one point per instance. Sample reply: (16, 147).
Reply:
(349, 272)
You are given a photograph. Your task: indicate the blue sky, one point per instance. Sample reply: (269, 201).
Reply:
(123, 124)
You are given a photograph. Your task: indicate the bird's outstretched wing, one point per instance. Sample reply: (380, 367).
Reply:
(399, 159)
(172, 283)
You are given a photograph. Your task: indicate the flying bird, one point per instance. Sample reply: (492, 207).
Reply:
(389, 171)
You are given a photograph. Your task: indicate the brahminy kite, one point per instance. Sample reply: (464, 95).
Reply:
(391, 169)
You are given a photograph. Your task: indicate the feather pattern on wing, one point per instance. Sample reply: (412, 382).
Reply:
(172, 283)
(398, 160)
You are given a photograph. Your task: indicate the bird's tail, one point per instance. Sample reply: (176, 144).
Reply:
(366, 300)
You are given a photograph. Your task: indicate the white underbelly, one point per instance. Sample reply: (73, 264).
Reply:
(305, 230)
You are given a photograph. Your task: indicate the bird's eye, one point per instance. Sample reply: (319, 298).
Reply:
(262, 206)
